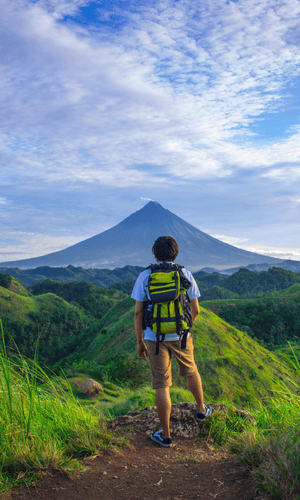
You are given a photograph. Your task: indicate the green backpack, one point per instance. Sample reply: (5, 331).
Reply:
(169, 309)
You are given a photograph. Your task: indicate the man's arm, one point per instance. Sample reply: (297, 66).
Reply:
(195, 308)
(138, 325)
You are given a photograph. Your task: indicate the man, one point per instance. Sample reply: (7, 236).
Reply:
(165, 249)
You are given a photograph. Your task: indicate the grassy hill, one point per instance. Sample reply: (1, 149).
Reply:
(92, 299)
(10, 283)
(273, 319)
(94, 332)
(245, 283)
(232, 365)
(216, 293)
(58, 325)
(206, 281)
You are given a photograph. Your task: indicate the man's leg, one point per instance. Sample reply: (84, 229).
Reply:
(195, 386)
(161, 381)
(188, 369)
(163, 403)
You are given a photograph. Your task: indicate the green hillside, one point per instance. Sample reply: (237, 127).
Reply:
(59, 326)
(245, 283)
(91, 298)
(273, 319)
(216, 293)
(65, 317)
(94, 332)
(10, 283)
(209, 280)
(232, 365)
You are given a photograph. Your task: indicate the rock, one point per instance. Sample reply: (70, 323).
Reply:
(90, 388)
(182, 420)
(245, 414)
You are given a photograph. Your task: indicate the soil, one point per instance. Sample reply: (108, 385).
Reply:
(189, 470)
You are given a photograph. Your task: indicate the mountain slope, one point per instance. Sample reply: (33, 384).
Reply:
(10, 283)
(232, 365)
(57, 326)
(273, 318)
(130, 243)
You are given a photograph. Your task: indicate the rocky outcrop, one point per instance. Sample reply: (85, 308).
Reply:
(90, 388)
(182, 421)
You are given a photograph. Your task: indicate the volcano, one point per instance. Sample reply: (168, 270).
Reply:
(130, 243)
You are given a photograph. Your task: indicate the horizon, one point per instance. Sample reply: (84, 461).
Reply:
(108, 105)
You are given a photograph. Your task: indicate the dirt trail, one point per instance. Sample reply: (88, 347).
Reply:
(145, 471)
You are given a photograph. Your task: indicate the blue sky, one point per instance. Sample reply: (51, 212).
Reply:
(107, 104)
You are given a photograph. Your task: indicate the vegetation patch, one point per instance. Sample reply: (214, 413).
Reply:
(271, 450)
(272, 319)
(42, 424)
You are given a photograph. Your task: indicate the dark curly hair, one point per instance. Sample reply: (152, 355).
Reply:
(165, 248)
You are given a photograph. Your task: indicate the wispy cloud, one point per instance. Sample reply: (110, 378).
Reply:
(231, 240)
(186, 87)
(279, 253)
(24, 245)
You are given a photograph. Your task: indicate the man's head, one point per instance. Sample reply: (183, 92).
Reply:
(165, 248)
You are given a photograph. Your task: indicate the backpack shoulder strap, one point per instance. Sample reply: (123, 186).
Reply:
(165, 265)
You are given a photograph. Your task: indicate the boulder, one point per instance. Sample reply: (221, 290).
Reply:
(90, 388)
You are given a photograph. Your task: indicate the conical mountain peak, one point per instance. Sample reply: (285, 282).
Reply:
(130, 243)
(148, 214)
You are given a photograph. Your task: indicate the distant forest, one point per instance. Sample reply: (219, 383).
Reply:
(243, 283)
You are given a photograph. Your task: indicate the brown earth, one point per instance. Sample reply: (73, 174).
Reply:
(189, 470)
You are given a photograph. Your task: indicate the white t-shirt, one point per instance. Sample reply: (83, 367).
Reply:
(140, 292)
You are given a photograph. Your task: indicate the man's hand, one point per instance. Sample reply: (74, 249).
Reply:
(142, 350)
(195, 309)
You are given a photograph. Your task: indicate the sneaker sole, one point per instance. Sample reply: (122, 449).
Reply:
(205, 417)
(160, 443)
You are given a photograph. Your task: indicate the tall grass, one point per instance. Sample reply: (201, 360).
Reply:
(272, 449)
(42, 424)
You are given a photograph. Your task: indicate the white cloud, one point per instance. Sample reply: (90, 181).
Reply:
(24, 245)
(278, 252)
(231, 240)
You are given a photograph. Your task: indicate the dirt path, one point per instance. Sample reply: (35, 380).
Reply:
(144, 471)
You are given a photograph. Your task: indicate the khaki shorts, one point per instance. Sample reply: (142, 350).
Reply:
(161, 363)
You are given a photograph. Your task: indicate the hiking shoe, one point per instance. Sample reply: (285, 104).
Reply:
(157, 437)
(202, 416)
